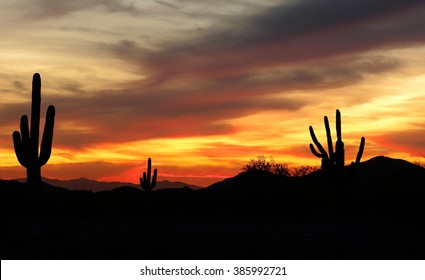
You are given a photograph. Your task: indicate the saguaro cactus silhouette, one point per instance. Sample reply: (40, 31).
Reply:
(145, 181)
(26, 142)
(334, 162)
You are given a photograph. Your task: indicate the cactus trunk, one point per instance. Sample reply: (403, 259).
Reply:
(34, 175)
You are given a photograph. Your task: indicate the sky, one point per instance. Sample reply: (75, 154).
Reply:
(202, 87)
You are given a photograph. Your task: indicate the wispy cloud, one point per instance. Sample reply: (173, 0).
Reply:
(288, 34)
(195, 107)
(51, 8)
(167, 4)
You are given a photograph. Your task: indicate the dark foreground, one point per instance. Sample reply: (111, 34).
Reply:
(379, 215)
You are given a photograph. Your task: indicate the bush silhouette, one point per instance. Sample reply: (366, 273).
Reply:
(333, 163)
(302, 170)
(281, 169)
(26, 142)
(270, 166)
(145, 181)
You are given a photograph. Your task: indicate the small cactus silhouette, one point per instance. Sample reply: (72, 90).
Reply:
(26, 142)
(145, 181)
(333, 163)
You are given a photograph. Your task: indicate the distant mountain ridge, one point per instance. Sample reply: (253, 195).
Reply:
(96, 186)
(376, 170)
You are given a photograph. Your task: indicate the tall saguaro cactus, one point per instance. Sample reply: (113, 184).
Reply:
(26, 142)
(333, 163)
(145, 181)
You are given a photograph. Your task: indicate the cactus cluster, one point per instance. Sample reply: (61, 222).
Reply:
(145, 182)
(26, 141)
(30, 156)
(333, 162)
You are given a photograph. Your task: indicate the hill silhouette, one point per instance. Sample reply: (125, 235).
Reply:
(374, 173)
(96, 186)
(253, 215)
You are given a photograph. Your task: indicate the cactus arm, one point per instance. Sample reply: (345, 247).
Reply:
(338, 125)
(19, 149)
(25, 132)
(21, 142)
(360, 152)
(142, 183)
(329, 138)
(155, 171)
(144, 177)
(46, 142)
(319, 146)
(313, 150)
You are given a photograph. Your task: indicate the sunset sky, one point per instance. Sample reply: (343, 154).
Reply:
(202, 87)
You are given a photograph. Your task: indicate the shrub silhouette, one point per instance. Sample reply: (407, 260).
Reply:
(145, 181)
(302, 170)
(26, 142)
(269, 166)
(261, 163)
(281, 169)
(333, 163)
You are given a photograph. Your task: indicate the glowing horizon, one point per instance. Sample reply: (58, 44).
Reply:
(202, 88)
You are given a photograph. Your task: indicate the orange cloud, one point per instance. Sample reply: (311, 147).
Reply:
(410, 142)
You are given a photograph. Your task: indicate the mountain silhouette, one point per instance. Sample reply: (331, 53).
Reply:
(390, 171)
(392, 185)
(374, 172)
(253, 215)
(96, 186)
